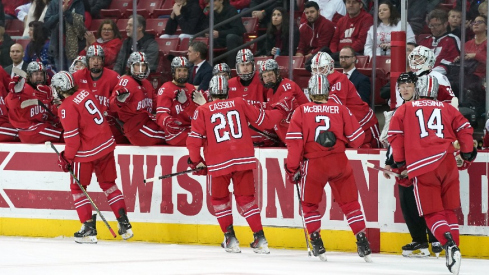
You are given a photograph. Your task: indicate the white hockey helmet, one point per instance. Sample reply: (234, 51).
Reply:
(179, 62)
(36, 66)
(221, 68)
(82, 59)
(322, 63)
(218, 86)
(270, 65)
(318, 85)
(427, 86)
(245, 56)
(138, 58)
(62, 82)
(95, 50)
(421, 59)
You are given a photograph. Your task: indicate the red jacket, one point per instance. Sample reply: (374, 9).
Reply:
(111, 50)
(352, 32)
(315, 36)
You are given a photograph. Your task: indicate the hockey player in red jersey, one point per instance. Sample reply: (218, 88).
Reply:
(344, 92)
(36, 123)
(133, 100)
(278, 89)
(89, 148)
(222, 69)
(7, 131)
(175, 105)
(318, 134)
(100, 81)
(221, 127)
(421, 134)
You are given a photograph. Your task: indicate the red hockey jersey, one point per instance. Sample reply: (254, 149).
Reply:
(421, 133)
(352, 32)
(221, 127)
(342, 91)
(167, 104)
(86, 132)
(255, 93)
(102, 87)
(309, 120)
(446, 48)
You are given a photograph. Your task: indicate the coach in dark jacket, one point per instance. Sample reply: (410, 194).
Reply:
(360, 81)
(200, 73)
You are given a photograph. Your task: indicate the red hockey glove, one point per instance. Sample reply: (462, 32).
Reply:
(293, 175)
(181, 97)
(172, 126)
(16, 85)
(461, 163)
(199, 164)
(44, 92)
(122, 94)
(63, 163)
(286, 105)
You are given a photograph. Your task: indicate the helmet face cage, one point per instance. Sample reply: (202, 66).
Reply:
(95, 50)
(62, 82)
(269, 65)
(322, 60)
(421, 59)
(35, 66)
(218, 86)
(81, 59)
(245, 56)
(179, 62)
(221, 68)
(427, 86)
(318, 85)
(138, 58)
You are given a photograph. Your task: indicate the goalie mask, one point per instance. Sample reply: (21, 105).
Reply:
(421, 59)
(269, 65)
(61, 83)
(427, 86)
(95, 51)
(138, 58)
(180, 62)
(222, 68)
(245, 56)
(33, 77)
(78, 64)
(218, 86)
(318, 85)
(322, 63)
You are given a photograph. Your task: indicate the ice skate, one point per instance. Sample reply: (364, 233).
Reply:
(88, 232)
(363, 247)
(125, 228)
(260, 244)
(317, 246)
(416, 250)
(436, 248)
(230, 243)
(452, 254)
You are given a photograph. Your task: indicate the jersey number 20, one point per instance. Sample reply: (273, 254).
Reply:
(232, 118)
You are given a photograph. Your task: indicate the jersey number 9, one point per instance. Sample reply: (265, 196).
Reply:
(93, 110)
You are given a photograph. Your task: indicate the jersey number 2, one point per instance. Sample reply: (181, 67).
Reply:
(93, 110)
(231, 118)
(322, 128)
(434, 123)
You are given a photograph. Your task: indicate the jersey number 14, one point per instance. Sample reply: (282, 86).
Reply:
(434, 123)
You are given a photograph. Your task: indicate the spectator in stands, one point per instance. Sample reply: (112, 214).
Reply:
(5, 43)
(97, 5)
(277, 42)
(73, 15)
(238, 4)
(389, 20)
(332, 10)
(2, 16)
(201, 70)
(445, 45)
(231, 34)
(316, 34)
(351, 29)
(37, 11)
(21, 11)
(9, 7)
(37, 49)
(385, 91)
(472, 7)
(361, 82)
(145, 43)
(109, 38)
(189, 16)
(454, 22)
(17, 55)
(265, 14)
(483, 8)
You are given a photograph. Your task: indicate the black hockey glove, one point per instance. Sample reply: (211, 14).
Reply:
(470, 157)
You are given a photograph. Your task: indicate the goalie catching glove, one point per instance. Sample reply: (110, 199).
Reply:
(326, 139)
(198, 165)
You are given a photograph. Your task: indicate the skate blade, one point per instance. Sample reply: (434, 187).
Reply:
(322, 257)
(127, 235)
(368, 258)
(457, 257)
(234, 249)
(437, 255)
(87, 239)
(419, 253)
(262, 250)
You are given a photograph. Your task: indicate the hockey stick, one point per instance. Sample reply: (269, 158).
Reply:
(48, 143)
(263, 133)
(303, 221)
(373, 166)
(172, 175)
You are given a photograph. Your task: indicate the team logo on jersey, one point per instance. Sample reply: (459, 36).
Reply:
(84, 81)
(160, 91)
(233, 88)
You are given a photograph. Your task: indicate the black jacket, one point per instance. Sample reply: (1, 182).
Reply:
(8, 69)
(202, 77)
(97, 5)
(284, 50)
(146, 44)
(191, 20)
(5, 50)
(233, 27)
(362, 84)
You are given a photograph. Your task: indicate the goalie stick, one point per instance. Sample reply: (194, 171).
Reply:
(373, 166)
(172, 175)
(48, 143)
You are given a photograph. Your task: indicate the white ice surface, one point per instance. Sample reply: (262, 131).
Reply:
(63, 256)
